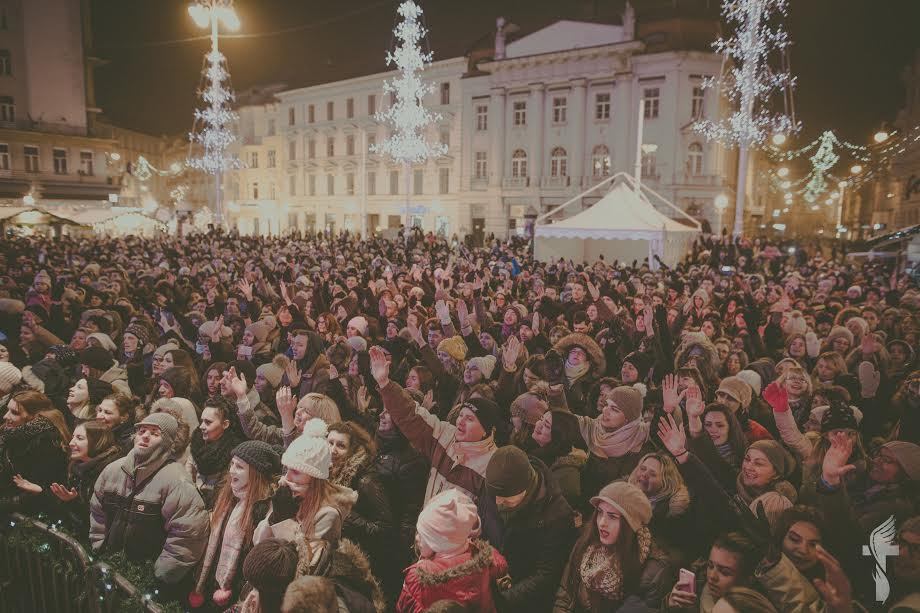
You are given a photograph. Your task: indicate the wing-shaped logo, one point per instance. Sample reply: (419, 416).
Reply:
(881, 546)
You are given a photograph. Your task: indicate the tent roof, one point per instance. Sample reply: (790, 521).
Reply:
(22, 216)
(621, 213)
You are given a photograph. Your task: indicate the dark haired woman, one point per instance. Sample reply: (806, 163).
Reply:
(117, 412)
(212, 446)
(556, 440)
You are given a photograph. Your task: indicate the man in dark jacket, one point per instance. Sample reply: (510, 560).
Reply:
(526, 518)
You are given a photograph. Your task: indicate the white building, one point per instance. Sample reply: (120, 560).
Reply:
(541, 120)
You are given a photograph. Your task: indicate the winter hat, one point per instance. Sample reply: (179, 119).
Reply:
(259, 332)
(448, 521)
(359, 323)
(96, 357)
(487, 412)
(752, 379)
(167, 424)
(629, 400)
(838, 416)
(774, 504)
(357, 343)
(142, 333)
(65, 355)
(309, 452)
(838, 331)
(274, 370)
(10, 376)
(795, 324)
(641, 362)
(529, 407)
(270, 567)
(98, 390)
(736, 388)
(42, 277)
(817, 414)
(339, 355)
(509, 472)
(261, 456)
(207, 329)
(160, 351)
(105, 341)
(859, 323)
(908, 456)
(47, 376)
(455, 347)
(485, 364)
(629, 500)
(782, 462)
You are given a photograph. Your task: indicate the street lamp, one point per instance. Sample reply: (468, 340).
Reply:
(779, 139)
(721, 203)
(881, 136)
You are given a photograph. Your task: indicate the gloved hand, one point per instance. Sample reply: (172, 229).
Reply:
(812, 345)
(284, 506)
(869, 379)
(776, 397)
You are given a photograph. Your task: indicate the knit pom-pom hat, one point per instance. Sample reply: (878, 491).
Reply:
(309, 452)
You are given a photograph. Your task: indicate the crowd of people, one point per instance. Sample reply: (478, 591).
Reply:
(328, 424)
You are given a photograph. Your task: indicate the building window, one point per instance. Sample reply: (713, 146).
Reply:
(255, 190)
(6, 63)
(444, 136)
(350, 144)
(291, 116)
(31, 155)
(330, 185)
(559, 110)
(311, 149)
(443, 180)
(7, 109)
(349, 108)
(254, 159)
(292, 185)
(311, 184)
(652, 97)
(481, 166)
(695, 159)
(600, 161)
(649, 164)
(519, 164)
(330, 110)
(350, 184)
(696, 103)
(311, 114)
(292, 150)
(482, 118)
(602, 106)
(372, 184)
(445, 93)
(558, 162)
(4, 156)
(86, 163)
(271, 158)
(372, 105)
(270, 127)
(330, 146)
(394, 182)
(271, 191)
(520, 113)
(371, 142)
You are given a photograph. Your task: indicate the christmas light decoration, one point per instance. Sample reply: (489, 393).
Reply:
(750, 83)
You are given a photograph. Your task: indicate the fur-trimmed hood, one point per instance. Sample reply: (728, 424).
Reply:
(577, 458)
(697, 341)
(345, 564)
(589, 345)
(431, 574)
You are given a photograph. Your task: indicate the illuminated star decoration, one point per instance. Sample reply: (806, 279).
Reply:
(408, 116)
(216, 119)
(751, 81)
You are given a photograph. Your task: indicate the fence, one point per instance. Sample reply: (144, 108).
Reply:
(43, 569)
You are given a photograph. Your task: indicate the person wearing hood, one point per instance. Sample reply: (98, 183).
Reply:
(309, 369)
(136, 357)
(98, 363)
(254, 345)
(734, 393)
(49, 378)
(172, 529)
(577, 362)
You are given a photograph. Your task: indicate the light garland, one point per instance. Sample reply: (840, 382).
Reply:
(216, 119)
(408, 116)
(751, 81)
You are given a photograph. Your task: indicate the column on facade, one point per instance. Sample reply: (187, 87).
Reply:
(537, 122)
(497, 135)
(466, 148)
(577, 118)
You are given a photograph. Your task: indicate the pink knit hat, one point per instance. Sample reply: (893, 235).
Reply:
(448, 521)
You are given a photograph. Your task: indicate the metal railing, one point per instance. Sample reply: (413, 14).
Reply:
(43, 569)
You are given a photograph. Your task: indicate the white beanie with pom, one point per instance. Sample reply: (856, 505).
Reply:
(309, 452)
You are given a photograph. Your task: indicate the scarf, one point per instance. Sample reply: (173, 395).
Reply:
(573, 372)
(350, 468)
(460, 451)
(726, 453)
(780, 486)
(602, 573)
(214, 457)
(20, 436)
(628, 438)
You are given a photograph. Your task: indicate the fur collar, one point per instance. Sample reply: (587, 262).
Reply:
(576, 458)
(353, 465)
(480, 559)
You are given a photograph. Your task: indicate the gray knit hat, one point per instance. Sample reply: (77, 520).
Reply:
(261, 456)
(167, 424)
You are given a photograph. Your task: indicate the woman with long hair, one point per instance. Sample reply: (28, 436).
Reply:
(557, 441)
(798, 388)
(92, 448)
(83, 398)
(828, 367)
(717, 438)
(33, 450)
(243, 499)
(118, 412)
(213, 442)
(672, 522)
(210, 382)
(615, 561)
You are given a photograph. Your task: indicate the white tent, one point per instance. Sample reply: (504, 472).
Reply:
(623, 225)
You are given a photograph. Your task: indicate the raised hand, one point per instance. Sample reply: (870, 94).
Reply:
(442, 311)
(286, 402)
(672, 435)
(835, 588)
(284, 293)
(593, 291)
(510, 353)
(333, 372)
(246, 288)
(680, 599)
(215, 335)
(835, 465)
(62, 493)
(428, 400)
(669, 397)
(416, 334)
(380, 368)
(234, 384)
(364, 399)
(693, 401)
(869, 379)
(463, 313)
(26, 486)
(648, 319)
(294, 374)
(776, 397)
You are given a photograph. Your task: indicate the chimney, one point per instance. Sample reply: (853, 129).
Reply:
(499, 39)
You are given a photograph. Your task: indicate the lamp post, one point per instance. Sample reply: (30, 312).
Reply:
(211, 13)
(721, 203)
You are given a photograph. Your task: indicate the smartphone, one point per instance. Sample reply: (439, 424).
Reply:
(245, 351)
(728, 270)
(686, 581)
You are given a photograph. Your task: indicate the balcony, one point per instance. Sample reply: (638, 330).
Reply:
(556, 182)
(516, 182)
(479, 184)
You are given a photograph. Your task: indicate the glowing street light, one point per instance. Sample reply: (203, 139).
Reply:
(783, 172)
(881, 136)
(856, 169)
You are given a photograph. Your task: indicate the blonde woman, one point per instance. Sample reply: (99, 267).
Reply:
(798, 387)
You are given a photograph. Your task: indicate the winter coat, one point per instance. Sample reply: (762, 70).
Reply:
(567, 472)
(466, 578)
(33, 450)
(118, 378)
(598, 471)
(327, 524)
(347, 567)
(315, 378)
(456, 464)
(404, 473)
(788, 589)
(83, 478)
(577, 394)
(151, 513)
(536, 542)
(672, 524)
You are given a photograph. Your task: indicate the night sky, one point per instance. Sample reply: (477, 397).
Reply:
(848, 54)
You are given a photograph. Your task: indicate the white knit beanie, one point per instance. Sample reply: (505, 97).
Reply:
(485, 364)
(10, 376)
(359, 323)
(309, 452)
(751, 378)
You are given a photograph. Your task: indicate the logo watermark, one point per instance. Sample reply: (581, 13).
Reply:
(882, 546)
